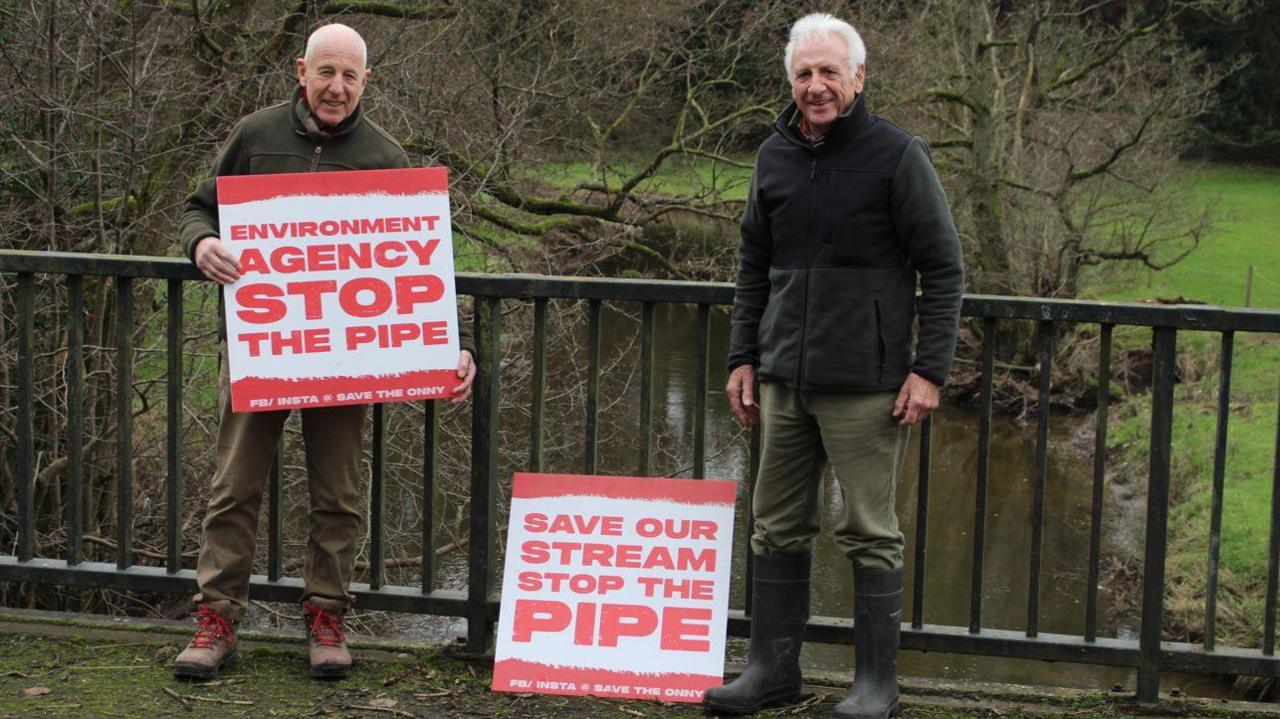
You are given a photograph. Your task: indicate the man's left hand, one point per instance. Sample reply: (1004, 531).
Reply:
(467, 372)
(916, 400)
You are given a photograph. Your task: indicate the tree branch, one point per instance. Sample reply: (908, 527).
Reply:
(939, 93)
(1113, 49)
(1079, 175)
(404, 10)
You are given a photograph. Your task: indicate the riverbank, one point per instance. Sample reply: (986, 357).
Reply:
(79, 665)
(1243, 236)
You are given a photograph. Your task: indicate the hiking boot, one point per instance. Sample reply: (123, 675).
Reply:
(212, 648)
(325, 640)
(779, 611)
(877, 609)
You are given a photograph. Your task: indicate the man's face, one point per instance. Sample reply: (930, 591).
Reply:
(821, 82)
(334, 78)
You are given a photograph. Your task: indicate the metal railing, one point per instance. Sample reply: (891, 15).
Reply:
(478, 604)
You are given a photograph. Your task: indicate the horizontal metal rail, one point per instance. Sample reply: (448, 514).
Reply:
(529, 287)
(478, 603)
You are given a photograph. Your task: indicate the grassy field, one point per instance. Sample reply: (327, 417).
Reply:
(1246, 231)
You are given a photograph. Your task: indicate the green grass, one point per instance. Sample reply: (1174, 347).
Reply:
(1246, 231)
(677, 176)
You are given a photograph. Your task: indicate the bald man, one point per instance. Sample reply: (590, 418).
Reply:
(320, 129)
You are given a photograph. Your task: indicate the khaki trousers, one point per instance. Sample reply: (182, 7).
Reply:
(801, 431)
(246, 447)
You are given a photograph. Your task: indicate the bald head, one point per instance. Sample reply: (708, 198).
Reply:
(333, 73)
(336, 33)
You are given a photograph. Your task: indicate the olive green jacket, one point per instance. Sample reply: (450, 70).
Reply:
(277, 140)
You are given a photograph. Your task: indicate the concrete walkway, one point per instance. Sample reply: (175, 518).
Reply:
(65, 665)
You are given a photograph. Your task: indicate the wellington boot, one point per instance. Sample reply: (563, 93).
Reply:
(214, 645)
(326, 643)
(877, 607)
(779, 611)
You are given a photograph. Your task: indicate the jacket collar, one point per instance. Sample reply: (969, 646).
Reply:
(304, 123)
(846, 127)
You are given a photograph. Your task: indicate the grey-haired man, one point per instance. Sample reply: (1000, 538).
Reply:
(844, 218)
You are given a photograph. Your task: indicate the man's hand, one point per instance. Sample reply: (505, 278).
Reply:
(467, 372)
(742, 395)
(916, 400)
(216, 261)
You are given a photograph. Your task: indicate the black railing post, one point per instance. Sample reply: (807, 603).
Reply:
(377, 491)
(538, 384)
(124, 422)
(484, 473)
(646, 389)
(275, 510)
(26, 468)
(1099, 478)
(1219, 477)
(173, 430)
(1044, 333)
(1165, 355)
(922, 524)
(700, 393)
(75, 419)
(591, 434)
(1273, 556)
(430, 464)
(984, 472)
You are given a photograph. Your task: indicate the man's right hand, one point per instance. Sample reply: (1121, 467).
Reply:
(216, 261)
(742, 395)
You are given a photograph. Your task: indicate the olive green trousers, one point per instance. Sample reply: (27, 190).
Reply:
(246, 448)
(803, 431)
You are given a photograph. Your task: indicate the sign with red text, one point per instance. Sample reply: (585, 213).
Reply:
(346, 293)
(615, 587)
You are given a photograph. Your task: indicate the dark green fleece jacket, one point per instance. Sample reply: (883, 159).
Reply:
(834, 238)
(279, 139)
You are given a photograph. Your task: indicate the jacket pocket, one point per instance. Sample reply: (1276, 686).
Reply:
(857, 328)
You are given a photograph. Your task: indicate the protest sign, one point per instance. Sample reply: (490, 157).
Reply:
(346, 294)
(615, 587)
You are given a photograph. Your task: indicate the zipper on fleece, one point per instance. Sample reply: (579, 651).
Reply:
(804, 305)
(315, 157)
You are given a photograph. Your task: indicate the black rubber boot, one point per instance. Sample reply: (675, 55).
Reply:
(877, 607)
(779, 611)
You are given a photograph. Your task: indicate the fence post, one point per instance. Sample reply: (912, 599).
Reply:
(1164, 351)
(484, 473)
(124, 422)
(26, 469)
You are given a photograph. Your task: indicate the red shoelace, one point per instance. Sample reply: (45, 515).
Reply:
(326, 626)
(210, 627)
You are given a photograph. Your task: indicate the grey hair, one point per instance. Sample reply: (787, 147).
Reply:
(822, 25)
(314, 38)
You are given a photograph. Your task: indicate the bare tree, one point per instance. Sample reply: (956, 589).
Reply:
(1057, 126)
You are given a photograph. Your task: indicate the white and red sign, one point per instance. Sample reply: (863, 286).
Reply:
(615, 587)
(346, 294)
